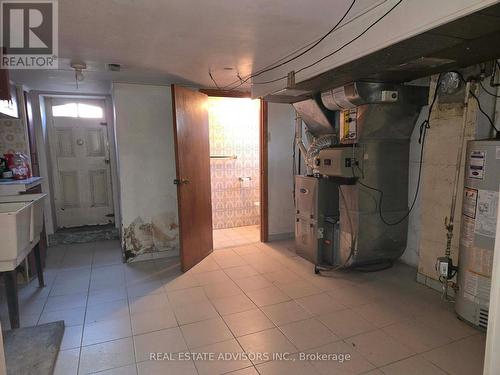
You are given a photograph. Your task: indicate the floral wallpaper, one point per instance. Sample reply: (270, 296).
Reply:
(234, 131)
(13, 136)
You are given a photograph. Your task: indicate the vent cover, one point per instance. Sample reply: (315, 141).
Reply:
(483, 318)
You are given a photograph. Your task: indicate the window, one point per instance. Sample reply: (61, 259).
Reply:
(65, 110)
(80, 110)
(89, 111)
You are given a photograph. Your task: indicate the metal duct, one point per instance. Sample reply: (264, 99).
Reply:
(318, 119)
(359, 93)
(372, 150)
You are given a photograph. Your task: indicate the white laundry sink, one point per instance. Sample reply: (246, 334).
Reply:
(21, 221)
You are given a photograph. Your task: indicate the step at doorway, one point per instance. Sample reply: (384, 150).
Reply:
(84, 234)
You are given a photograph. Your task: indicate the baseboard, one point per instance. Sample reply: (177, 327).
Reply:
(154, 256)
(280, 236)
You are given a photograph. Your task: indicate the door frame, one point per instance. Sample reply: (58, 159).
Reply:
(46, 168)
(263, 155)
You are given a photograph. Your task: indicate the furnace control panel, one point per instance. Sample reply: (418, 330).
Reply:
(338, 161)
(349, 126)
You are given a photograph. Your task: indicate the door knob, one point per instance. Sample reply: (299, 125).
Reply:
(181, 181)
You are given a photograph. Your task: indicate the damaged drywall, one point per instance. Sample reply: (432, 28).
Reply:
(160, 234)
(146, 164)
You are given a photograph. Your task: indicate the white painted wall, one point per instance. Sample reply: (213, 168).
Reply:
(281, 123)
(146, 166)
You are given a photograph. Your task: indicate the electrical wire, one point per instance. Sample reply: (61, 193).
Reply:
(487, 92)
(352, 40)
(492, 124)
(424, 126)
(213, 79)
(324, 57)
(337, 50)
(308, 48)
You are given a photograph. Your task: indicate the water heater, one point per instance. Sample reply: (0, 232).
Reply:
(477, 235)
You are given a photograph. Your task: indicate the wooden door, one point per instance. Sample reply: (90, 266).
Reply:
(79, 150)
(192, 152)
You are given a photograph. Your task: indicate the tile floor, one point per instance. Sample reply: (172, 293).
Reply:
(255, 299)
(236, 236)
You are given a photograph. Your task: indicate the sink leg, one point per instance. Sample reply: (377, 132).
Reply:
(10, 279)
(38, 264)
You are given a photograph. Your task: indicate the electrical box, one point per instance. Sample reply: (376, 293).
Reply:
(349, 126)
(389, 96)
(338, 162)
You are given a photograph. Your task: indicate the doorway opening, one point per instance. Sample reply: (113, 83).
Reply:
(234, 133)
(80, 163)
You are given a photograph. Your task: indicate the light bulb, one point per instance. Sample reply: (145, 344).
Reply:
(79, 76)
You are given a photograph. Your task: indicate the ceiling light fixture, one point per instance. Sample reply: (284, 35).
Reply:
(79, 67)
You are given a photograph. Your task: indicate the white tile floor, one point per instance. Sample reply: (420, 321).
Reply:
(236, 236)
(256, 299)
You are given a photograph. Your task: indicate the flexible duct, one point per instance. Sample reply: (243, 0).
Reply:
(319, 143)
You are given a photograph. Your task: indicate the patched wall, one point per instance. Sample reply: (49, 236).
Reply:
(438, 174)
(146, 166)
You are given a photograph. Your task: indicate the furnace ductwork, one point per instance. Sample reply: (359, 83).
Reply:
(362, 150)
(319, 143)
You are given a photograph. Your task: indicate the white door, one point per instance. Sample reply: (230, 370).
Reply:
(79, 151)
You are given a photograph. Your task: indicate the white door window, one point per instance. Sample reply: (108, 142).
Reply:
(80, 162)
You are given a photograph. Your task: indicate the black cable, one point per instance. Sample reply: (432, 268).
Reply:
(352, 40)
(423, 131)
(213, 79)
(483, 112)
(308, 48)
(479, 103)
(337, 50)
(330, 54)
(487, 92)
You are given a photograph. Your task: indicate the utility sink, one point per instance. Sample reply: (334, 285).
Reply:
(21, 221)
